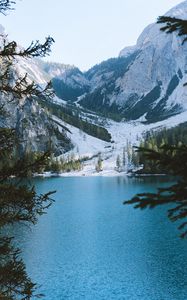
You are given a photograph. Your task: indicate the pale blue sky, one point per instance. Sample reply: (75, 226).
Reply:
(86, 31)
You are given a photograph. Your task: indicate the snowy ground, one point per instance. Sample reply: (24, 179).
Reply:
(122, 133)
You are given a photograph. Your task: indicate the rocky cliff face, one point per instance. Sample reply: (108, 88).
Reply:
(145, 81)
(154, 83)
(34, 125)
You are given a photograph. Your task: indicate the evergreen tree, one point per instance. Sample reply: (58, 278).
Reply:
(124, 157)
(129, 152)
(173, 24)
(173, 159)
(99, 165)
(135, 158)
(118, 163)
(18, 202)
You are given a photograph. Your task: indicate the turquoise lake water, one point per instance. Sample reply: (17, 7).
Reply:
(90, 246)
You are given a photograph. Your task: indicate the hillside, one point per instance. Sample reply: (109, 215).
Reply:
(108, 109)
(146, 80)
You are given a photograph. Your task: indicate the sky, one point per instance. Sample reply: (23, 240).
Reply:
(86, 32)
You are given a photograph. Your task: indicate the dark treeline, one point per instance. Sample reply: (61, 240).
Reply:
(62, 164)
(173, 136)
(52, 163)
(172, 158)
(68, 93)
(156, 141)
(72, 117)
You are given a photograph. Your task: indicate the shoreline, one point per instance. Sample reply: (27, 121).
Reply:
(104, 174)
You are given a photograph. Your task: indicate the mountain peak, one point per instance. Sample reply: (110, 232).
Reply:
(152, 31)
(152, 83)
(178, 11)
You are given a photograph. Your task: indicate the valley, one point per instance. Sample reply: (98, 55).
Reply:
(101, 114)
(93, 181)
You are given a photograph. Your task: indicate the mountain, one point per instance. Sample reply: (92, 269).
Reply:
(145, 81)
(70, 85)
(36, 129)
(34, 126)
(143, 88)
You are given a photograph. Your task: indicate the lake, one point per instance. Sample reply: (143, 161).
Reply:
(90, 246)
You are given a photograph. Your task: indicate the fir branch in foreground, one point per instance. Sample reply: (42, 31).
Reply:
(6, 5)
(21, 86)
(173, 24)
(35, 49)
(176, 195)
(174, 160)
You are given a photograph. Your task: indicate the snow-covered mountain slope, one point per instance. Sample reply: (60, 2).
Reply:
(147, 79)
(143, 86)
(124, 134)
(68, 81)
(34, 125)
(36, 130)
(40, 71)
(70, 85)
(179, 11)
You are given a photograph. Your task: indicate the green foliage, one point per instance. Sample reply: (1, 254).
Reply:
(174, 161)
(155, 141)
(13, 277)
(135, 158)
(64, 165)
(19, 201)
(33, 163)
(168, 151)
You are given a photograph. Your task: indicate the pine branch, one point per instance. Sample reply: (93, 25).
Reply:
(14, 281)
(173, 24)
(21, 167)
(21, 204)
(21, 86)
(18, 202)
(11, 50)
(174, 160)
(6, 5)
